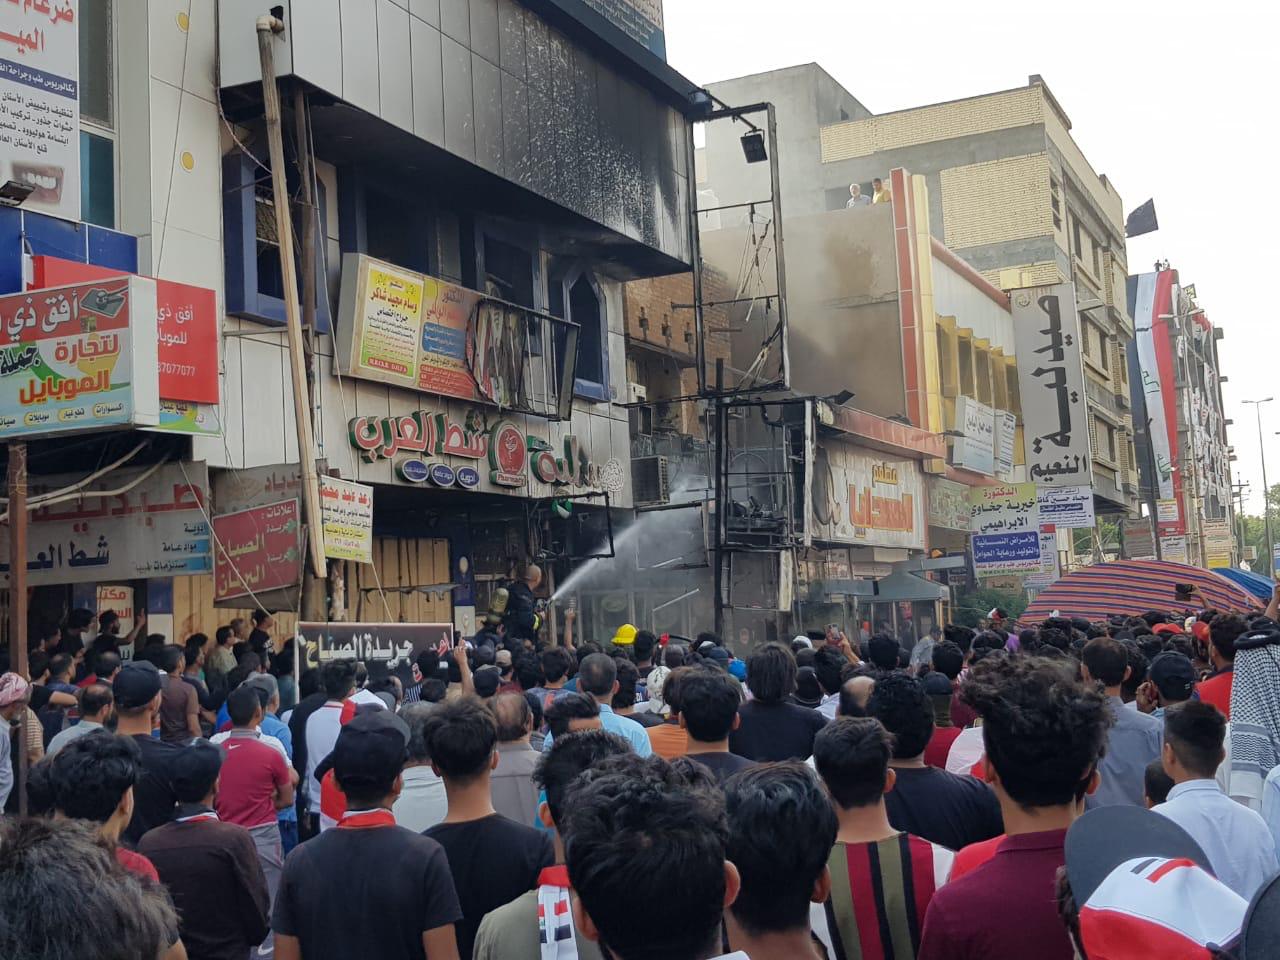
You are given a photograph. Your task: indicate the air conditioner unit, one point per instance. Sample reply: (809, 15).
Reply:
(650, 480)
(637, 393)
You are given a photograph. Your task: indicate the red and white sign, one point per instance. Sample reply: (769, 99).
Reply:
(257, 550)
(187, 322)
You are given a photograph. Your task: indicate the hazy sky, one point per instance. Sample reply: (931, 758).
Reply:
(1173, 101)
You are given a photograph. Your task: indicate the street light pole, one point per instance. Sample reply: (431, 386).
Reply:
(1266, 510)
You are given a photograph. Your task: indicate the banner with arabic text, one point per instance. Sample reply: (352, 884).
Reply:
(346, 513)
(258, 550)
(1067, 507)
(1005, 521)
(40, 102)
(155, 527)
(1055, 413)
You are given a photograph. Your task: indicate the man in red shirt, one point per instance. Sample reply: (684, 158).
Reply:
(1044, 733)
(938, 688)
(1223, 631)
(255, 782)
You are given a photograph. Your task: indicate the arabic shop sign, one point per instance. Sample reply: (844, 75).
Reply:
(975, 450)
(1005, 522)
(40, 101)
(396, 645)
(155, 528)
(258, 550)
(346, 514)
(511, 454)
(80, 357)
(1067, 507)
(1051, 380)
(868, 500)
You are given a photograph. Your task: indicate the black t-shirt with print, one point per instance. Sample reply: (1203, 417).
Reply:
(365, 893)
(493, 861)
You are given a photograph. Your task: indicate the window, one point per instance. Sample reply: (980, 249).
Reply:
(1011, 385)
(1097, 257)
(965, 352)
(1109, 442)
(97, 114)
(1075, 237)
(576, 295)
(1104, 348)
(1055, 201)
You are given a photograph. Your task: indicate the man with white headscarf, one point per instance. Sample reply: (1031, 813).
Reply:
(14, 692)
(1255, 713)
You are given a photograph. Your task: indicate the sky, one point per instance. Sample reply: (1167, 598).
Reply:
(1171, 101)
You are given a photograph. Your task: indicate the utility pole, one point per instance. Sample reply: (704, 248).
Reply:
(267, 27)
(18, 598)
(1266, 507)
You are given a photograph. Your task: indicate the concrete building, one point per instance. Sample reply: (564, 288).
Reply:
(1183, 453)
(514, 163)
(1008, 191)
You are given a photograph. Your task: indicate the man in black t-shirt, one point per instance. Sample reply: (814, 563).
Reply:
(944, 808)
(493, 859)
(367, 888)
(137, 696)
(709, 701)
(770, 728)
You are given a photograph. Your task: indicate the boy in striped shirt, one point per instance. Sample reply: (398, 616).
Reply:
(882, 880)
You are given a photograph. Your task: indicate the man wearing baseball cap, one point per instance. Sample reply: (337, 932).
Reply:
(1239, 844)
(137, 692)
(367, 888)
(1171, 679)
(1136, 886)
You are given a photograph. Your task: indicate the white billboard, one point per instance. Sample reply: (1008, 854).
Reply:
(1051, 379)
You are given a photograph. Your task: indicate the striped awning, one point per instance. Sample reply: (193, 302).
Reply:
(1258, 585)
(1131, 588)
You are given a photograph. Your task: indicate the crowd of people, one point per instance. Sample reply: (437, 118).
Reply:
(1102, 790)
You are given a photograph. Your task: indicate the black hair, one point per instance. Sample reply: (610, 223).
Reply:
(1153, 617)
(247, 658)
(461, 735)
(900, 703)
(193, 789)
(91, 774)
(1138, 666)
(883, 650)
(94, 697)
(962, 637)
(222, 635)
(1156, 784)
(1043, 730)
(849, 705)
(947, 658)
(630, 820)
(1106, 660)
(309, 682)
(1224, 630)
(781, 831)
(511, 713)
(79, 618)
(709, 701)
(433, 690)
(628, 677)
(194, 647)
(170, 656)
(40, 796)
(556, 663)
(65, 895)
(568, 757)
(673, 656)
(1053, 637)
(338, 677)
(827, 664)
(597, 674)
(528, 671)
(59, 665)
(804, 657)
(707, 636)
(985, 644)
(1195, 731)
(258, 616)
(242, 703)
(771, 673)
(645, 643)
(38, 663)
(852, 756)
(568, 707)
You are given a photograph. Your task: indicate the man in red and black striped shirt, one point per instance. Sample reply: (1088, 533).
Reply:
(882, 880)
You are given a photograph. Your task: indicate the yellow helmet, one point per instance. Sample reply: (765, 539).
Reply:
(626, 636)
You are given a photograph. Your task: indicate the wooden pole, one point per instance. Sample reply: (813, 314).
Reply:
(267, 28)
(18, 598)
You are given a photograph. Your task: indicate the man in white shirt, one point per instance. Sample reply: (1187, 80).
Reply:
(1236, 840)
(338, 677)
(422, 802)
(96, 703)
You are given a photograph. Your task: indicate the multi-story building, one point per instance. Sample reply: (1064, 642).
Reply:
(480, 180)
(1008, 190)
(1183, 454)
